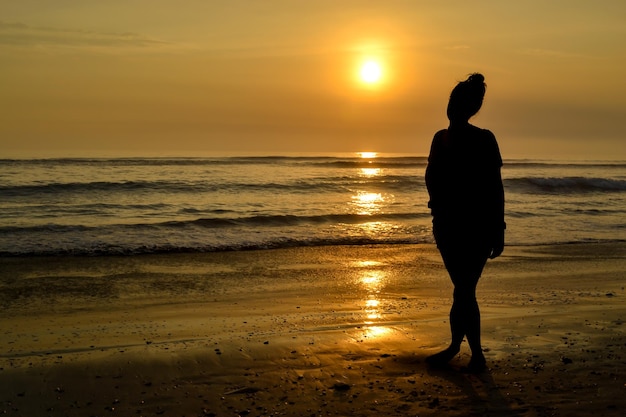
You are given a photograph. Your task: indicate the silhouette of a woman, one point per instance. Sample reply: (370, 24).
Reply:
(467, 204)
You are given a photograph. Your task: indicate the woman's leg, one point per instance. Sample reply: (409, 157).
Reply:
(465, 268)
(465, 320)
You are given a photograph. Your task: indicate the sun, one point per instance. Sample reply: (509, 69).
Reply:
(371, 72)
(368, 155)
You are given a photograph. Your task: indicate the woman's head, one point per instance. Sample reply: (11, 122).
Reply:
(466, 98)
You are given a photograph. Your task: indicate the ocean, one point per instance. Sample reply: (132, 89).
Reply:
(125, 206)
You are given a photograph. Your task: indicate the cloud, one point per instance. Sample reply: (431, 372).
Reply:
(22, 35)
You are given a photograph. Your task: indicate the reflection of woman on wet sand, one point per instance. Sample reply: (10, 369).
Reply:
(467, 203)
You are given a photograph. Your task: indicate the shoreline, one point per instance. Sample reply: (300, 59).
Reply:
(310, 331)
(6, 256)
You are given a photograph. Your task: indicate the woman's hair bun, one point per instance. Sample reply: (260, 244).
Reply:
(476, 78)
(467, 97)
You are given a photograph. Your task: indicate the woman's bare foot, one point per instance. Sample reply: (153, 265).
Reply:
(442, 358)
(476, 365)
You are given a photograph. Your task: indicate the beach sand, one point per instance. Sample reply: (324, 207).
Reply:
(339, 331)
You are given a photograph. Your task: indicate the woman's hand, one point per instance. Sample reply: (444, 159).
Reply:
(498, 244)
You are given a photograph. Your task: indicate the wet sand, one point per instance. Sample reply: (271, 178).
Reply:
(339, 331)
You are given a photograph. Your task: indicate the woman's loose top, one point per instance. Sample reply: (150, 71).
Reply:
(464, 183)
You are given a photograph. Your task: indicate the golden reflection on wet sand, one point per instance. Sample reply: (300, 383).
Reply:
(372, 281)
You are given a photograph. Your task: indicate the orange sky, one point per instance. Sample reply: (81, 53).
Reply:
(195, 78)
